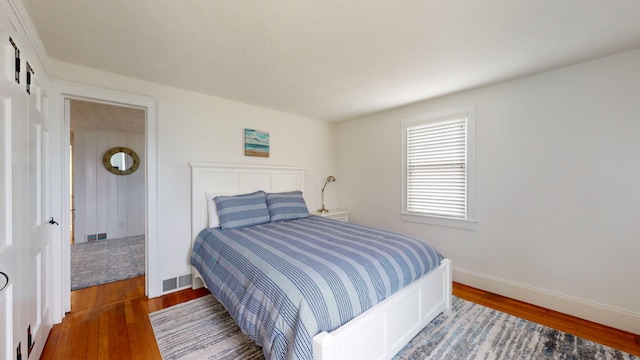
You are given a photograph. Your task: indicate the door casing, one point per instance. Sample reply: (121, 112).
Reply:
(70, 90)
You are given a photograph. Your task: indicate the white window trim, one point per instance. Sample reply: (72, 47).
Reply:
(470, 222)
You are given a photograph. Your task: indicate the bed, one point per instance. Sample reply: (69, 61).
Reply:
(372, 326)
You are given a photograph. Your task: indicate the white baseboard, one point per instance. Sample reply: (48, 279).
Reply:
(598, 313)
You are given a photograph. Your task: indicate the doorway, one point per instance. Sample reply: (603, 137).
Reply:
(74, 91)
(107, 232)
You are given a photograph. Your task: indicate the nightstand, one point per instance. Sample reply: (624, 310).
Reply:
(335, 214)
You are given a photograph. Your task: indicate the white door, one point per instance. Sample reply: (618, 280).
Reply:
(25, 205)
(9, 266)
(41, 223)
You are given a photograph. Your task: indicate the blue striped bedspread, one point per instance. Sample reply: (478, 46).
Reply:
(285, 282)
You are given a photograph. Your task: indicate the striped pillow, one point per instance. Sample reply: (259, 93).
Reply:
(242, 210)
(286, 206)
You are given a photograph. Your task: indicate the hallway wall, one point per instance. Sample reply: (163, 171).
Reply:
(105, 202)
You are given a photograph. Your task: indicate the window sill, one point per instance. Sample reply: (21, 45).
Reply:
(440, 221)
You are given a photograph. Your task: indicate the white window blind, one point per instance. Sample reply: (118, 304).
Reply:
(436, 156)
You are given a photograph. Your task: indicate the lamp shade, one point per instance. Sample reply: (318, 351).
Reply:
(330, 179)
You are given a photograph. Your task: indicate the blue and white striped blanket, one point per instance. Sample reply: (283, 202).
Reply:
(285, 282)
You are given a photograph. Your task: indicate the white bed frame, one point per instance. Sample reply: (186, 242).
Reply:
(380, 332)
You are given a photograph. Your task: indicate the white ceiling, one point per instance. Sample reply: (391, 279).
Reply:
(332, 59)
(106, 117)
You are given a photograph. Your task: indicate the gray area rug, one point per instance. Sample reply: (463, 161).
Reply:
(105, 261)
(477, 332)
(202, 329)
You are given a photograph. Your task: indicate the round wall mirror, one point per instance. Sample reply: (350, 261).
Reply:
(121, 161)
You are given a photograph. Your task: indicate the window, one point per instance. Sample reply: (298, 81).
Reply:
(438, 168)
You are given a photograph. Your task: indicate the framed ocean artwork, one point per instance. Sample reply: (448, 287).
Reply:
(256, 143)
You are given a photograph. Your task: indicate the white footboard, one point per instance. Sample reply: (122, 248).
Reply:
(382, 331)
(197, 281)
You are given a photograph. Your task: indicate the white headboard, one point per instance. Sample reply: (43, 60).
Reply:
(236, 179)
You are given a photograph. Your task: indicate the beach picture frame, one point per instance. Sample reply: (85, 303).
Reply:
(256, 143)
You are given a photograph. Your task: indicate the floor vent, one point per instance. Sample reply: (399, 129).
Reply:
(184, 280)
(94, 237)
(177, 282)
(169, 284)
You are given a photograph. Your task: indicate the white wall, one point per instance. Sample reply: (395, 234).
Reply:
(194, 127)
(557, 174)
(105, 202)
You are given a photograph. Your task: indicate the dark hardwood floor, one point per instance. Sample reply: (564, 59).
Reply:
(111, 321)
